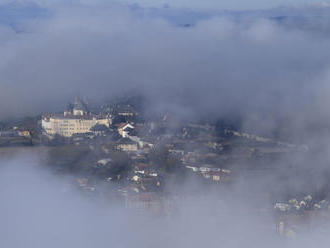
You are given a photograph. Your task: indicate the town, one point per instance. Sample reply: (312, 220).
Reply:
(142, 159)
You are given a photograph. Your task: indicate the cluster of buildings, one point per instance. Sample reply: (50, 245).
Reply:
(298, 215)
(144, 189)
(195, 148)
(15, 133)
(77, 122)
(298, 205)
(15, 137)
(209, 172)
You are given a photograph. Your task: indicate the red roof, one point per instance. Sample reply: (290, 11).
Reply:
(123, 125)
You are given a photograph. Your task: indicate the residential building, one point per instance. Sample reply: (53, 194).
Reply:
(127, 145)
(124, 129)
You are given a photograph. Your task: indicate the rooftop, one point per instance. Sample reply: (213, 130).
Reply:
(76, 117)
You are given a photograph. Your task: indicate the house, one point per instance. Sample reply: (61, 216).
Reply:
(24, 133)
(193, 168)
(100, 129)
(125, 129)
(127, 145)
(283, 207)
(136, 178)
(217, 174)
(213, 175)
(104, 162)
(15, 133)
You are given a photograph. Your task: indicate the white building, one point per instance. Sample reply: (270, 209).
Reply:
(76, 120)
(124, 129)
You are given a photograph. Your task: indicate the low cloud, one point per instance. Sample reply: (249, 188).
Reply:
(258, 69)
(39, 209)
(42, 209)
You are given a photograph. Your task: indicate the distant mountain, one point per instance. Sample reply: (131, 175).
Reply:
(314, 17)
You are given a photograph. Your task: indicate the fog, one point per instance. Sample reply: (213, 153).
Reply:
(40, 209)
(273, 76)
(257, 68)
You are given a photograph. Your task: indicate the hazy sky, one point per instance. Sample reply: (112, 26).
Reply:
(191, 4)
(221, 4)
